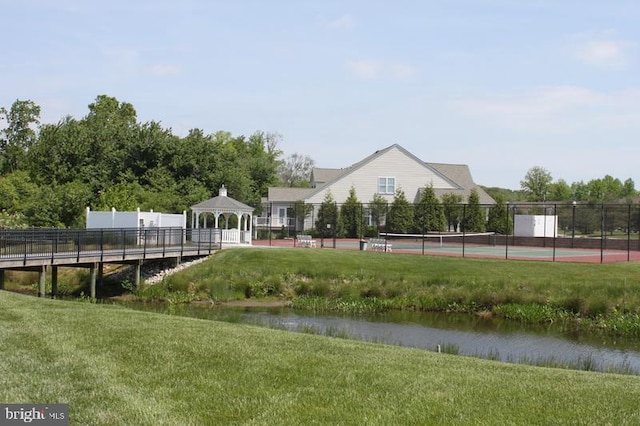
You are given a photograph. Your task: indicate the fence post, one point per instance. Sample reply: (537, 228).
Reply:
(506, 233)
(573, 224)
(124, 243)
(42, 281)
(555, 230)
(602, 219)
(464, 225)
(629, 233)
(183, 236)
(79, 244)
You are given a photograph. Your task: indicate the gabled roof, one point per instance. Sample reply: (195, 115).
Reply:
(461, 175)
(222, 203)
(458, 175)
(321, 176)
(332, 175)
(286, 194)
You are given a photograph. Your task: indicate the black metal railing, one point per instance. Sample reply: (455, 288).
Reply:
(57, 243)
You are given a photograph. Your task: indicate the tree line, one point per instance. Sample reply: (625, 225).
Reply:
(538, 185)
(49, 173)
(355, 219)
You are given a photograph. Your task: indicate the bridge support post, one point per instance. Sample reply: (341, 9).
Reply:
(54, 281)
(42, 279)
(93, 271)
(138, 273)
(1, 279)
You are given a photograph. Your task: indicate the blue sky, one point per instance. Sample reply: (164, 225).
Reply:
(499, 85)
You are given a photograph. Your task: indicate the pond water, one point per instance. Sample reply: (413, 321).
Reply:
(461, 334)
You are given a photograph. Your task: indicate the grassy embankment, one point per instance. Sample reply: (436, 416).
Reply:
(118, 366)
(586, 296)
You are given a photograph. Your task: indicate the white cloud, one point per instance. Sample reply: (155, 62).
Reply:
(401, 70)
(345, 21)
(364, 68)
(559, 109)
(163, 69)
(371, 69)
(606, 53)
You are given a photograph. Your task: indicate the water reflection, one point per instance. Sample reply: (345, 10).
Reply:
(462, 334)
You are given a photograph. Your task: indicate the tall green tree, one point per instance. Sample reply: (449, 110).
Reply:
(301, 211)
(73, 198)
(295, 171)
(111, 127)
(580, 191)
(62, 153)
(628, 188)
(16, 188)
(536, 184)
(400, 216)
(352, 216)
(560, 191)
(18, 134)
(428, 212)
(499, 220)
(474, 217)
(328, 216)
(261, 155)
(452, 206)
(378, 208)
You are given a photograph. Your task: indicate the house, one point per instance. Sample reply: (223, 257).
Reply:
(381, 173)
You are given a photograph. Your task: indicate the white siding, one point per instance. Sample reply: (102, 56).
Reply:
(410, 176)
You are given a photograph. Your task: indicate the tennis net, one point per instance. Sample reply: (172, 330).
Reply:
(440, 240)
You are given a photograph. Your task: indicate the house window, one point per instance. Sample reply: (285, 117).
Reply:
(387, 185)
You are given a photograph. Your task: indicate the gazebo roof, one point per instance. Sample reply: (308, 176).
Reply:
(222, 203)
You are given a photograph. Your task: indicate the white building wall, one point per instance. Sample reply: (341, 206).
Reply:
(410, 176)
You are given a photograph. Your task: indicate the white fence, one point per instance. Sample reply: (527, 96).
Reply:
(228, 236)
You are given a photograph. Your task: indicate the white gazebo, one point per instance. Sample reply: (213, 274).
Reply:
(222, 207)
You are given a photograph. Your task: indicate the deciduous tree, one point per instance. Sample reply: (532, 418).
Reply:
(295, 170)
(536, 184)
(19, 133)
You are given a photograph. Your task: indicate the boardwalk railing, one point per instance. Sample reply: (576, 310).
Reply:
(77, 245)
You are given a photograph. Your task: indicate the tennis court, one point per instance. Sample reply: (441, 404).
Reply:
(490, 245)
(485, 245)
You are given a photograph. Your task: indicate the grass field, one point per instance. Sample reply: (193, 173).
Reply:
(118, 366)
(603, 297)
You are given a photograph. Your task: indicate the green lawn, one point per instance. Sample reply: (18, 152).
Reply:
(591, 296)
(118, 366)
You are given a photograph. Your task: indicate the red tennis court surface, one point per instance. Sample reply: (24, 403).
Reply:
(472, 250)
